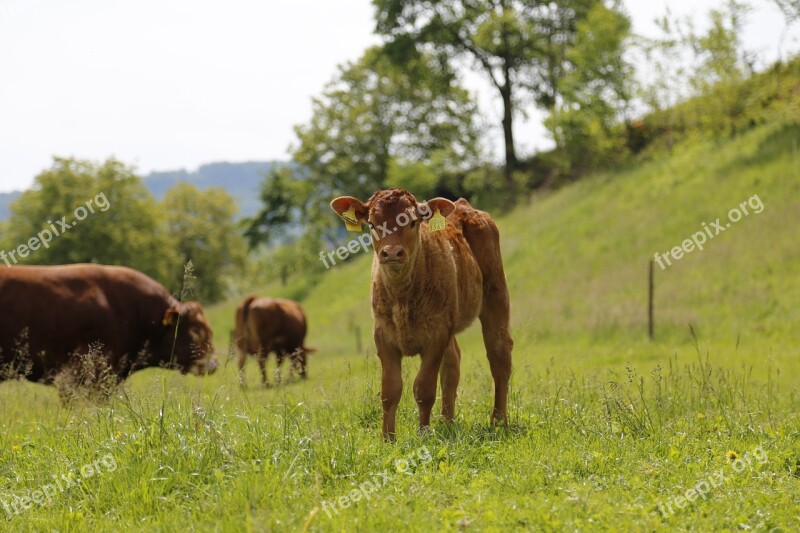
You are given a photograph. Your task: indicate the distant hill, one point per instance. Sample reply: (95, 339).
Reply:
(5, 203)
(241, 180)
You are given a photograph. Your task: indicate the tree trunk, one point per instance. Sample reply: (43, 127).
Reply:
(508, 133)
(508, 109)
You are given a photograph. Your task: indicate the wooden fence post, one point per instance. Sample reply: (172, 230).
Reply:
(650, 325)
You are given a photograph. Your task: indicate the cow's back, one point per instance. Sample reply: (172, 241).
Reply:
(49, 312)
(276, 324)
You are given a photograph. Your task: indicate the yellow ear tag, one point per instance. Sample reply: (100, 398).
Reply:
(437, 222)
(350, 219)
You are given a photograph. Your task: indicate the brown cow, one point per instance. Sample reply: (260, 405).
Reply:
(426, 287)
(265, 325)
(50, 315)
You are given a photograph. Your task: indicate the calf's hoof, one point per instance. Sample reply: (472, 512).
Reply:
(425, 431)
(499, 419)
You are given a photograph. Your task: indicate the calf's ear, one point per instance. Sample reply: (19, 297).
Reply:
(352, 210)
(443, 205)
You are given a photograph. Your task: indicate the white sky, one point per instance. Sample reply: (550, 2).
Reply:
(177, 83)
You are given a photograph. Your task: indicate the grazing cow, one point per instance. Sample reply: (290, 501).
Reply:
(437, 267)
(50, 315)
(265, 325)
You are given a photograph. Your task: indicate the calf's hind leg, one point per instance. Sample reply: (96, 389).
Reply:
(280, 354)
(484, 240)
(498, 344)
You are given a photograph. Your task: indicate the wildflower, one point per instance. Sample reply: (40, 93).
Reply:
(732, 455)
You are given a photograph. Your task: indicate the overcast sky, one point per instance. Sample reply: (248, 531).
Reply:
(173, 84)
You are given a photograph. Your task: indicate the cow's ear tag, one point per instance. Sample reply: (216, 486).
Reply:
(169, 318)
(350, 220)
(437, 222)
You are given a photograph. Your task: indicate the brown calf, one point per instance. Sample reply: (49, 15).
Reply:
(426, 287)
(265, 325)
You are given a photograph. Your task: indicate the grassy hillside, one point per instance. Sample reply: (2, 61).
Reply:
(577, 261)
(609, 431)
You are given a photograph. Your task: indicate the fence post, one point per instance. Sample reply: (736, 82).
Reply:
(650, 325)
(358, 338)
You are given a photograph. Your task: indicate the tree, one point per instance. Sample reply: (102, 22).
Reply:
(202, 224)
(521, 46)
(719, 50)
(791, 14)
(722, 66)
(585, 122)
(120, 225)
(667, 64)
(280, 192)
(374, 118)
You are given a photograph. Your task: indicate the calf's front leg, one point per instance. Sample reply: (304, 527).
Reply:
(241, 361)
(391, 385)
(262, 363)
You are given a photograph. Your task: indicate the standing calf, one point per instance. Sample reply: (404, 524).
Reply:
(265, 325)
(431, 277)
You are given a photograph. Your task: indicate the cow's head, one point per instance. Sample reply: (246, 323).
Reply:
(186, 343)
(396, 217)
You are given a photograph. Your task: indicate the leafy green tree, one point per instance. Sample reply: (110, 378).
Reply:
(523, 47)
(202, 224)
(374, 118)
(722, 65)
(791, 14)
(126, 227)
(666, 57)
(699, 84)
(719, 50)
(595, 92)
(282, 193)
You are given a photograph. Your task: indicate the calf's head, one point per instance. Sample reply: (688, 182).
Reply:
(395, 217)
(186, 341)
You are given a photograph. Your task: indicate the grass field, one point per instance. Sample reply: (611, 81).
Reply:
(697, 430)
